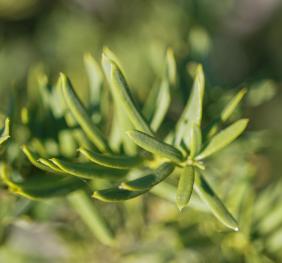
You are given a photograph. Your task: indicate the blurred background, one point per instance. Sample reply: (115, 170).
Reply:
(239, 43)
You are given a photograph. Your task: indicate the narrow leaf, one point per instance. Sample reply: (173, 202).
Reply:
(206, 193)
(227, 112)
(5, 132)
(150, 103)
(121, 122)
(224, 138)
(170, 67)
(232, 105)
(185, 187)
(151, 144)
(162, 105)
(192, 112)
(193, 139)
(42, 186)
(79, 113)
(88, 170)
(116, 194)
(124, 98)
(33, 158)
(112, 161)
(148, 181)
(95, 78)
(51, 165)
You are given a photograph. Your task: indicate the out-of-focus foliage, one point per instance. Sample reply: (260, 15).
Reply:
(239, 44)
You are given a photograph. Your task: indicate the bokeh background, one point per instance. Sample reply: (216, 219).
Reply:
(239, 43)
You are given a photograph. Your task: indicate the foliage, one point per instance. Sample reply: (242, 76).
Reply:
(112, 150)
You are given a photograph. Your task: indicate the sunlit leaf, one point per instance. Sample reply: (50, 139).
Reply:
(5, 131)
(33, 158)
(162, 105)
(227, 112)
(121, 93)
(192, 112)
(232, 105)
(116, 194)
(112, 161)
(79, 113)
(224, 138)
(153, 145)
(206, 193)
(42, 186)
(150, 180)
(193, 139)
(95, 78)
(185, 187)
(170, 68)
(88, 170)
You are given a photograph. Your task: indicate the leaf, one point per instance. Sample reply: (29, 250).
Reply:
(148, 181)
(193, 139)
(95, 78)
(108, 57)
(5, 131)
(112, 161)
(159, 98)
(116, 194)
(121, 122)
(89, 170)
(55, 99)
(192, 112)
(185, 187)
(206, 193)
(232, 105)
(224, 138)
(162, 105)
(118, 138)
(170, 71)
(227, 112)
(91, 217)
(79, 113)
(42, 186)
(51, 165)
(33, 158)
(123, 98)
(150, 103)
(151, 144)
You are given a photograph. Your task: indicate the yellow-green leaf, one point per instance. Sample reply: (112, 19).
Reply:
(95, 78)
(162, 105)
(185, 187)
(33, 158)
(41, 185)
(192, 112)
(124, 99)
(207, 194)
(5, 132)
(116, 194)
(153, 145)
(232, 105)
(79, 113)
(148, 181)
(112, 161)
(223, 138)
(88, 170)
